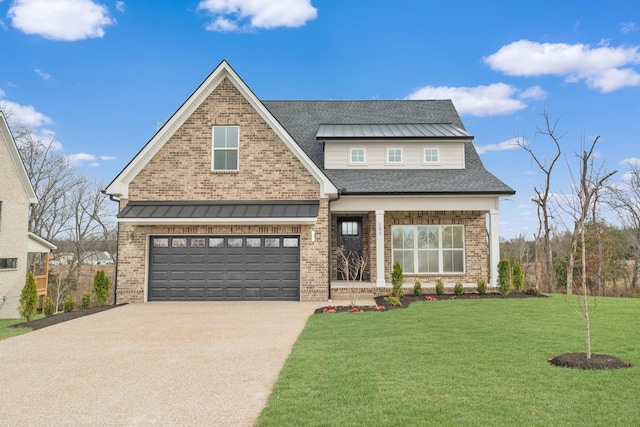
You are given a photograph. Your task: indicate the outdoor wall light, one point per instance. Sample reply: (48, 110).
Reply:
(313, 235)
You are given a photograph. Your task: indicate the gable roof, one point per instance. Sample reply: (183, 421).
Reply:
(120, 185)
(16, 159)
(304, 119)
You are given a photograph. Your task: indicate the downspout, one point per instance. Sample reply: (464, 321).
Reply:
(329, 227)
(115, 278)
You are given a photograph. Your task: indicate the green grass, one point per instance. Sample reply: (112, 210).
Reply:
(6, 331)
(460, 362)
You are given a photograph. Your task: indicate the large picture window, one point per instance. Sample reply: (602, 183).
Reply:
(225, 148)
(429, 248)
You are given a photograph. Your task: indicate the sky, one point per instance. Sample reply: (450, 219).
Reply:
(102, 76)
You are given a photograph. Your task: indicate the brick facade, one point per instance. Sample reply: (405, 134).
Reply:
(181, 170)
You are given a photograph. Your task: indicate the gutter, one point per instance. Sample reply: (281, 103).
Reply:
(115, 278)
(329, 239)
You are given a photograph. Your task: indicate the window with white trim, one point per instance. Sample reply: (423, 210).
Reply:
(428, 248)
(356, 156)
(394, 155)
(431, 155)
(226, 143)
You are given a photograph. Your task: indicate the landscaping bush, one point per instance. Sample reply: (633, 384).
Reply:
(397, 277)
(457, 288)
(417, 288)
(504, 277)
(482, 286)
(393, 301)
(439, 286)
(85, 300)
(48, 307)
(517, 277)
(69, 303)
(101, 285)
(29, 298)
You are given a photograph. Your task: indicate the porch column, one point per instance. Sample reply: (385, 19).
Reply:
(494, 247)
(380, 248)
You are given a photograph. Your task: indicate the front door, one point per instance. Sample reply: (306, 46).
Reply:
(350, 242)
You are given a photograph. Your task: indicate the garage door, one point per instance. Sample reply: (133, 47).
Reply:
(224, 268)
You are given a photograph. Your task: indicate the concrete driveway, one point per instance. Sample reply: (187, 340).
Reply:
(161, 364)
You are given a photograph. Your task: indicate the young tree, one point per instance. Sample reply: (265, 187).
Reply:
(542, 199)
(504, 277)
(591, 181)
(101, 286)
(351, 265)
(29, 298)
(517, 277)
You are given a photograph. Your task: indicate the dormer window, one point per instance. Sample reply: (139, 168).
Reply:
(431, 155)
(226, 143)
(394, 155)
(356, 156)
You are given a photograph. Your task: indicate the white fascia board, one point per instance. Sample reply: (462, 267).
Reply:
(39, 245)
(120, 185)
(217, 221)
(7, 137)
(416, 203)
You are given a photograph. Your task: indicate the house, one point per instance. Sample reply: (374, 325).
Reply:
(235, 198)
(16, 195)
(98, 258)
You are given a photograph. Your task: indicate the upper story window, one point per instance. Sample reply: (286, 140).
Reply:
(394, 155)
(356, 156)
(8, 263)
(226, 143)
(431, 155)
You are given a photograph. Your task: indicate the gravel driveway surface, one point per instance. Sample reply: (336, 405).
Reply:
(161, 364)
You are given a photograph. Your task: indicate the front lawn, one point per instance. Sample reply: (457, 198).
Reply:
(460, 362)
(6, 331)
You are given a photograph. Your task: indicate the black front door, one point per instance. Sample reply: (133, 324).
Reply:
(350, 242)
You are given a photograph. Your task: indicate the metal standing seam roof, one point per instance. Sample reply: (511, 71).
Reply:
(219, 209)
(391, 130)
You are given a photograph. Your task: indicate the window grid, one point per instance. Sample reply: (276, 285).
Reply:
(424, 249)
(431, 155)
(357, 155)
(225, 152)
(394, 155)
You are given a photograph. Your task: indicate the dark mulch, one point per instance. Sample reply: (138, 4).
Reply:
(62, 317)
(381, 305)
(580, 361)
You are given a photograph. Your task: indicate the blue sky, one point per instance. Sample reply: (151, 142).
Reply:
(103, 75)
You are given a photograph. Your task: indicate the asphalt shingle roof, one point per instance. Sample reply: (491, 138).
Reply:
(302, 120)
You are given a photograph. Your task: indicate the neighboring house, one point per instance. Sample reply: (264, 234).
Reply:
(16, 195)
(235, 198)
(98, 258)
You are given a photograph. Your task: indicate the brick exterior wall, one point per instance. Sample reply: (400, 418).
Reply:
(476, 248)
(181, 170)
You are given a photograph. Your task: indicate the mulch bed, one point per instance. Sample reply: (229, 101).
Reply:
(381, 305)
(580, 361)
(62, 317)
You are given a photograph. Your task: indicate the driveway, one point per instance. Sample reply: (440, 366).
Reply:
(161, 364)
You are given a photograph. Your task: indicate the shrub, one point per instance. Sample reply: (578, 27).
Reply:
(396, 280)
(48, 307)
(29, 298)
(439, 286)
(417, 288)
(457, 288)
(393, 301)
(69, 303)
(517, 276)
(482, 286)
(85, 301)
(101, 285)
(504, 277)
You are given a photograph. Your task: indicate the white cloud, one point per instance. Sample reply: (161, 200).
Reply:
(78, 159)
(631, 161)
(107, 158)
(66, 20)
(25, 115)
(232, 15)
(628, 27)
(604, 68)
(479, 101)
(510, 144)
(43, 75)
(534, 92)
(120, 6)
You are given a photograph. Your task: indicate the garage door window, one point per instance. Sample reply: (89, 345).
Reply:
(272, 242)
(161, 242)
(216, 242)
(198, 242)
(234, 242)
(179, 242)
(253, 242)
(290, 242)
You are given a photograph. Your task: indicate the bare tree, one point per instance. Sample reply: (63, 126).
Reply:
(544, 254)
(352, 266)
(591, 181)
(626, 202)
